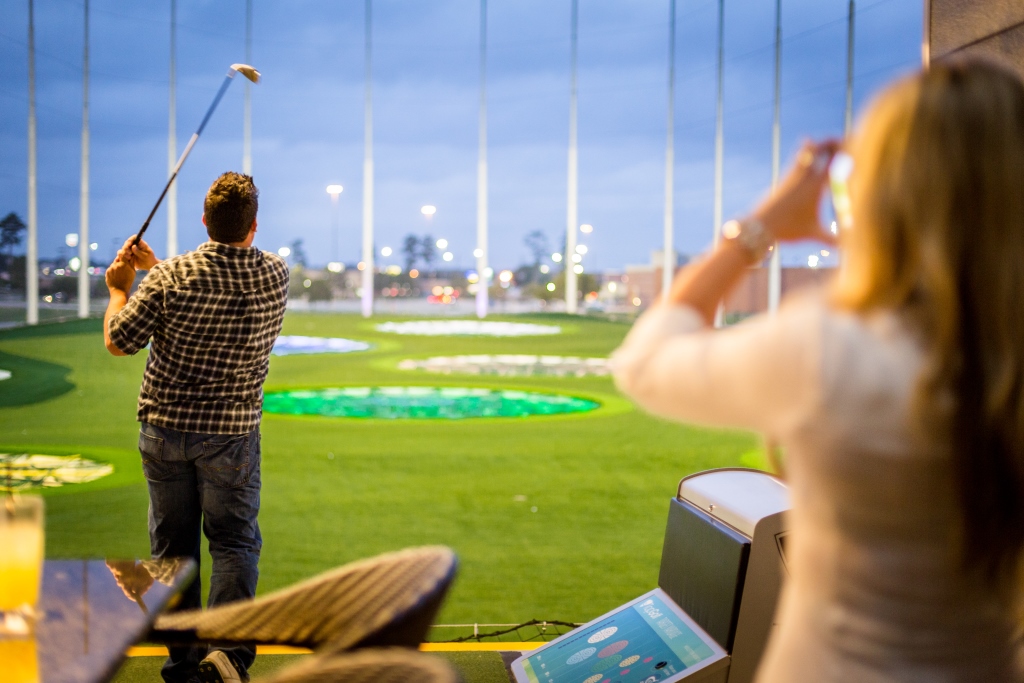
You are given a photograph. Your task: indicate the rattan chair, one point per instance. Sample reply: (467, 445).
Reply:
(388, 600)
(391, 665)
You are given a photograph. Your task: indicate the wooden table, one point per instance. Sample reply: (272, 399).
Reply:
(94, 610)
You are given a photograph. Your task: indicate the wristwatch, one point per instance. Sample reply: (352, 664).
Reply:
(751, 235)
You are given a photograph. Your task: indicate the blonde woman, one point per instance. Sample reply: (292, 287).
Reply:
(898, 398)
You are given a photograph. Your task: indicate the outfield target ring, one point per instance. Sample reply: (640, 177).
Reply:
(467, 328)
(297, 344)
(511, 365)
(422, 403)
(25, 471)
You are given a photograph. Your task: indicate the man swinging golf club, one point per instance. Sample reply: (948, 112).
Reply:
(211, 316)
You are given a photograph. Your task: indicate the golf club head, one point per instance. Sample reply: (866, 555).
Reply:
(249, 72)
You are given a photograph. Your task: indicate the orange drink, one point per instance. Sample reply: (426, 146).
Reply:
(21, 561)
(21, 664)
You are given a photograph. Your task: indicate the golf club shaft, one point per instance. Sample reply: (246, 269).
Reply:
(184, 155)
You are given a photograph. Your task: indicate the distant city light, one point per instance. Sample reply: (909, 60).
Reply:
(75, 263)
(488, 272)
(335, 266)
(477, 253)
(393, 270)
(551, 286)
(835, 228)
(505, 276)
(578, 269)
(447, 256)
(428, 210)
(335, 190)
(824, 252)
(414, 273)
(438, 290)
(307, 283)
(361, 265)
(576, 258)
(284, 252)
(545, 269)
(472, 277)
(612, 286)
(636, 301)
(812, 261)
(71, 239)
(581, 249)
(386, 251)
(557, 258)
(94, 246)
(442, 243)
(586, 228)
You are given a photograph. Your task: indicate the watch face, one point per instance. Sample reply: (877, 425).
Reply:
(731, 230)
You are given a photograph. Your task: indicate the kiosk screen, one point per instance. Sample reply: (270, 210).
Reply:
(647, 640)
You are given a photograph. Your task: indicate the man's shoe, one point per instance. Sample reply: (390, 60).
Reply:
(217, 667)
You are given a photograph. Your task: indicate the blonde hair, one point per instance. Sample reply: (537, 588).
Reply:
(937, 198)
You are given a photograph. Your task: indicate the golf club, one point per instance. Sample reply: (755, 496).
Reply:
(244, 69)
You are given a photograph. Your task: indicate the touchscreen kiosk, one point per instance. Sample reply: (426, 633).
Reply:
(647, 640)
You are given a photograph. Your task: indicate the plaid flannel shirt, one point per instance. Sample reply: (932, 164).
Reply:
(213, 316)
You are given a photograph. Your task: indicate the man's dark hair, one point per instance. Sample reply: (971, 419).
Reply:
(230, 207)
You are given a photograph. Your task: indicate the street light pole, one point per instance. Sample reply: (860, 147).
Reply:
(481, 175)
(247, 109)
(572, 214)
(172, 143)
(367, 280)
(668, 266)
(334, 191)
(775, 264)
(719, 140)
(83, 209)
(848, 122)
(32, 238)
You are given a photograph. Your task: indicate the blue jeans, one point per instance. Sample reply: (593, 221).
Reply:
(207, 483)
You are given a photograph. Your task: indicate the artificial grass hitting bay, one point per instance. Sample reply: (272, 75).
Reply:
(555, 517)
(473, 667)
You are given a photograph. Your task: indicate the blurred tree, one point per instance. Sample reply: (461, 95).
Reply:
(319, 290)
(298, 253)
(11, 227)
(428, 251)
(411, 251)
(537, 243)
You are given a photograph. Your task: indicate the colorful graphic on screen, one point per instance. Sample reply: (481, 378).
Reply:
(651, 643)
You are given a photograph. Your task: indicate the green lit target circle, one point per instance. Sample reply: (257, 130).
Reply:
(422, 403)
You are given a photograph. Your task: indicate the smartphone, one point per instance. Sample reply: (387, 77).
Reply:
(838, 178)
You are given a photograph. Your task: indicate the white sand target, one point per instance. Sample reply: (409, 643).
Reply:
(25, 471)
(467, 328)
(295, 344)
(511, 365)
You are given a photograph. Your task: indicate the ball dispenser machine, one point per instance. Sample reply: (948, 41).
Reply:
(722, 566)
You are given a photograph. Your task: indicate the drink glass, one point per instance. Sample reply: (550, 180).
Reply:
(20, 661)
(21, 562)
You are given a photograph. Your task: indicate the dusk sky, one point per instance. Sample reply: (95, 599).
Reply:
(308, 114)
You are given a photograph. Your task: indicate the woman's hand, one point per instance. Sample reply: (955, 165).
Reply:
(791, 212)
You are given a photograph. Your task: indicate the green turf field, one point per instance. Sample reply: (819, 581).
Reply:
(586, 538)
